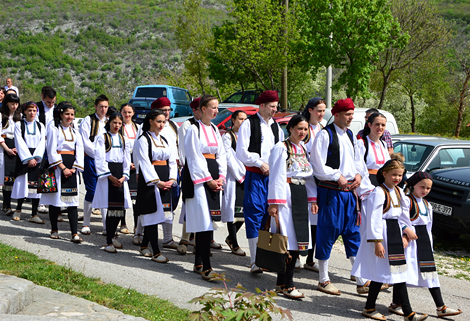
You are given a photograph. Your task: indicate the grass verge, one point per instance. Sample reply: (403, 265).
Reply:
(48, 274)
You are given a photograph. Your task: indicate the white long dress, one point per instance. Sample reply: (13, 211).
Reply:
(116, 155)
(235, 173)
(63, 139)
(33, 138)
(279, 190)
(9, 131)
(160, 151)
(314, 130)
(206, 140)
(411, 252)
(374, 227)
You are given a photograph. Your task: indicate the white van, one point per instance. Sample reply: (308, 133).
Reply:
(359, 120)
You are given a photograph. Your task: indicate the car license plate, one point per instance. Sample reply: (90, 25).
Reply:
(441, 209)
(141, 115)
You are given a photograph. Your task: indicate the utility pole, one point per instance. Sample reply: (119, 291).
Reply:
(284, 105)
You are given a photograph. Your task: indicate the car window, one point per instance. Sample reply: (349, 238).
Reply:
(221, 116)
(155, 92)
(454, 157)
(415, 154)
(179, 94)
(235, 98)
(249, 98)
(141, 104)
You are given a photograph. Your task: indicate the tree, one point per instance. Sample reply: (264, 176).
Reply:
(422, 29)
(461, 54)
(254, 45)
(194, 38)
(347, 34)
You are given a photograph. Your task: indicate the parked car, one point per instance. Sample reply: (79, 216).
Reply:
(144, 96)
(433, 153)
(243, 97)
(450, 200)
(223, 119)
(359, 120)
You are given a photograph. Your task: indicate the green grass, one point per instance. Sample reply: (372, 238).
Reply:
(46, 273)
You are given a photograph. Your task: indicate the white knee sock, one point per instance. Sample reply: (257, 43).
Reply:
(252, 243)
(104, 212)
(86, 213)
(139, 229)
(167, 231)
(184, 235)
(323, 271)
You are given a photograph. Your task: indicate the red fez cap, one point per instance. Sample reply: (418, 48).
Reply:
(195, 103)
(343, 105)
(160, 103)
(267, 97)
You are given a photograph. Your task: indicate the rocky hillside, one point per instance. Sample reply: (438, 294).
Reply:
(87, 47)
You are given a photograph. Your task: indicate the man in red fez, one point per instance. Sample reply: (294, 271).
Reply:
(170, 132)
(339, 168)
(256, 137)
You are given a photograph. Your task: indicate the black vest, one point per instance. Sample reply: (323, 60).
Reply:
(255, 138)
(332, 159)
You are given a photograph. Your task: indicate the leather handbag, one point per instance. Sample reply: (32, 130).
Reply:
(271, 252)
(47, 182)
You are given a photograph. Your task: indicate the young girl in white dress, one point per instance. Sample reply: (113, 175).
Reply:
(112, 161)
(421, 266)
(290, 190)
(381, 255)
(206, 169)
(157, 175)
(314, 112)
(30, 142)
(65, 156)
(232, 201)
(10, 113)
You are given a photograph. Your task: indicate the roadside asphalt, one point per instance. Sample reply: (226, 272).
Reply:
(175, 281)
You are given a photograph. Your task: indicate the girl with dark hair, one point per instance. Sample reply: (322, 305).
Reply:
(206, 169)
(381, 255)
(157, 176)
(291, 190)
(234, 190)
(112, 161)
(65, 155)
(314, 112)
(30, 142)
(10, 114)
(421, 265)
(130, 130)
(372, 148)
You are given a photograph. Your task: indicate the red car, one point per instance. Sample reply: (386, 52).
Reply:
(223, 119)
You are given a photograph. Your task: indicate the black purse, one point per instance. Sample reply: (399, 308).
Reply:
(271, 252)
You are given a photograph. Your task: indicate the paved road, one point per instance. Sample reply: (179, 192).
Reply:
(176, 282)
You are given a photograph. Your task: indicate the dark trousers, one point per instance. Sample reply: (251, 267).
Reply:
(151, 235)
(232, 232)
(286, 279)
(72, 213)
(203, 249)
(435, 293)
(398, 288)
(34, 204)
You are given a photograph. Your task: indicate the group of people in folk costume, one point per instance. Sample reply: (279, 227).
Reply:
(318, 183)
